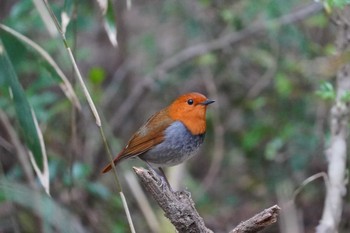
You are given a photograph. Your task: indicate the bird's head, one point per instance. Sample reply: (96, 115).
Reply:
(190, 109)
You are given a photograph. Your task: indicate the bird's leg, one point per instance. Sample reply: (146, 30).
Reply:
(161, 175)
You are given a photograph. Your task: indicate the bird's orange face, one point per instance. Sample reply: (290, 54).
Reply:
(190, 109)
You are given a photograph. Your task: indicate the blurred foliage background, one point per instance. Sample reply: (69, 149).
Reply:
(267, 130)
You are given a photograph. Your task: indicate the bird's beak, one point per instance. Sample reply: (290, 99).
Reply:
(207, 102)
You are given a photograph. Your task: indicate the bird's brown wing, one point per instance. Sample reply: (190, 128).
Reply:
(148, 136)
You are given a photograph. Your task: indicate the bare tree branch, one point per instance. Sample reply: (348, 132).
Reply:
(179, 208)
(259, 221)
(337, 151)
(189, 53)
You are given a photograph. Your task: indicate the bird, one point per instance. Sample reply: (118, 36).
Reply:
(171, 135)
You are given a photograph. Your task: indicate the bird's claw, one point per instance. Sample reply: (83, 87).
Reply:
(161, 181)
(164, 184)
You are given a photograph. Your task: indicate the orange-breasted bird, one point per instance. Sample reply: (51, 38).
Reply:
(171, 135)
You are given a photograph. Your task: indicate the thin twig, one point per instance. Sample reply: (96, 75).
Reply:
(310, 179)
(259, 221)
(289, 216)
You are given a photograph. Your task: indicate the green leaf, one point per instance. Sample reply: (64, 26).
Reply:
(48, 62)
(346, 97)
(338, 3)
(283, 85)
(66, 15)
(318, 20)
(50, 212)
(330, 4)
(109, 20)
(97, 75)
(258, 103)
(99, 190)
(80, 171)
(254, 136)
(326, 91)
(227, 15)
(272, 148)
(207, 59)
(26, 118)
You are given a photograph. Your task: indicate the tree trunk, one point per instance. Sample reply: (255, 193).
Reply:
(337, 151)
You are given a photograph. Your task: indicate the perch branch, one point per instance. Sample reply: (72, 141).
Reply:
(179, 208)
(259, 221)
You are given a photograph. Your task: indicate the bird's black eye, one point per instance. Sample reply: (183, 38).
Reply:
(190, 101)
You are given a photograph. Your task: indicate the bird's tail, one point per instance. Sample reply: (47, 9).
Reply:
(115, 161)
(108, 167)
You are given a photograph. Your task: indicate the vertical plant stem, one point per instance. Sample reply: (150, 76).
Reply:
(111, 159)
(339, 122)
(94, 112)
(127, 212)
(85, 90)
(74, 128)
